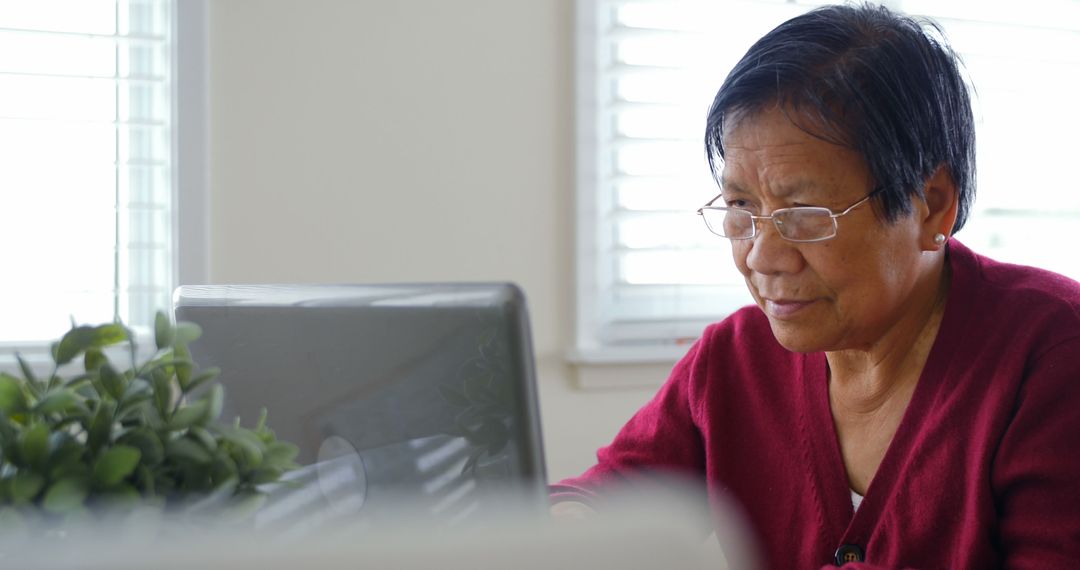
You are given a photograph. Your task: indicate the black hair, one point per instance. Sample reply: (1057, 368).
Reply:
(865, 77)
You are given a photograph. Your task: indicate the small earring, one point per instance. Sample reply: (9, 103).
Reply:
(939, 239)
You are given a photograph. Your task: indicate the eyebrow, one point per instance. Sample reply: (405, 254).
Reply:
(782, 190)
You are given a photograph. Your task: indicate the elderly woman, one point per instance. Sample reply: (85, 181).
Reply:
(893, 399)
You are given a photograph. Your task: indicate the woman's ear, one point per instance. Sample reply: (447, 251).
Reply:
(942, 201)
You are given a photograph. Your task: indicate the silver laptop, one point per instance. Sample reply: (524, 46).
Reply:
(417, 395)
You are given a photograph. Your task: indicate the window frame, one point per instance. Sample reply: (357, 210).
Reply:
(588, 349)
(191, 143)
(189, 175)
(588, 201)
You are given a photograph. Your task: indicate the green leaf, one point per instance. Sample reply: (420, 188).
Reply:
(215, 400)
(261, 423)
(195, 478)
(145, 479)
(82, 338)
(280, 454)
(12, 397)
(249, 445)
(80, 383)
(66, 459)
(148, 444)
(34, 445)
(115, 384)
(66, 495)
(266, 474)
(138, 390)
(204, 377)
(73, 343)
(224, 468)
(115, 464)
(206, 438)
(147, 414)
(7, 438)
(109, 334)
(100, 431)
(192, 414)
(28, 372)
(186, 450)
(186, 333)
(58, 401)
(93, 359)
(164, 333)
(183, 368)
(25, 486)
(162, 393)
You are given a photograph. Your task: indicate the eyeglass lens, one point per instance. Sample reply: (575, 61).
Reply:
(803, 224)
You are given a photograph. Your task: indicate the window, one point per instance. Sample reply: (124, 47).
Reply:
(86, 132)
(650, 276)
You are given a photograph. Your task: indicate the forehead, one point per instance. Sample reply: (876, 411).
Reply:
(766, 150)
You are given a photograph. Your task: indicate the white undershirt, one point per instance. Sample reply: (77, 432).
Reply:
(856, 500)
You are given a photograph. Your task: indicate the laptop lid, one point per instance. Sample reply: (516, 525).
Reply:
(418, 393)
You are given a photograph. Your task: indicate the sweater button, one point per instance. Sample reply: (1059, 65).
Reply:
(849, 553)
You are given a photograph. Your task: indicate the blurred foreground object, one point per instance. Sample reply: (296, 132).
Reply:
(646, 534)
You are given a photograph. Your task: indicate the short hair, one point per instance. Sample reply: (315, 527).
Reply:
(865, 77)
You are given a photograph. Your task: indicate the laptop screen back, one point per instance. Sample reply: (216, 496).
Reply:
(424, 393)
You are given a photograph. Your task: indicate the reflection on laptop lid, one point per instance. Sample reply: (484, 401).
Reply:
(423, 393)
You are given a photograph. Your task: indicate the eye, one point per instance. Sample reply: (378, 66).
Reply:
(737, 203)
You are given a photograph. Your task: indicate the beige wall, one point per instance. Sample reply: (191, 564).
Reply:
(398, 140)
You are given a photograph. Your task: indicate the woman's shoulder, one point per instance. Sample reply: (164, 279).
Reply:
(1020, 288)
(1015, 307)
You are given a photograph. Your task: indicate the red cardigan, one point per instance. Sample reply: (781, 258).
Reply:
(984, 469)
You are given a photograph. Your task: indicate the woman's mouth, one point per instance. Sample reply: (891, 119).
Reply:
(785, 308)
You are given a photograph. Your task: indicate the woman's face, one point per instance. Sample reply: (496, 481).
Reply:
(845, 293)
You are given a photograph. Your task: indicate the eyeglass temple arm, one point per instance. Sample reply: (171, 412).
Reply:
(855, 205)
(709, 203)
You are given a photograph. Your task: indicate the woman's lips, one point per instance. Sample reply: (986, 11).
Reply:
(784, 308)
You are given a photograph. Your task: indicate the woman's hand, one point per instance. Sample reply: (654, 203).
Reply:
(571, 511)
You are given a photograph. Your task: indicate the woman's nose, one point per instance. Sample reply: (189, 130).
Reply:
(769, 253)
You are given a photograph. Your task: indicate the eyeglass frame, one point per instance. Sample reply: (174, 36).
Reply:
(754, 219)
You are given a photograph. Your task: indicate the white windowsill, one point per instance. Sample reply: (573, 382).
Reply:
(614, 368)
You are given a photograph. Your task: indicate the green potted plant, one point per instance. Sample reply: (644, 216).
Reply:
(111, 436)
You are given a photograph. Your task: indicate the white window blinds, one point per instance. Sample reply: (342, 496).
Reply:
(650, 274)
(86, 184)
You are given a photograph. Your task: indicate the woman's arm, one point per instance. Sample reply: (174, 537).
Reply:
(662, 438)
(1036, 473)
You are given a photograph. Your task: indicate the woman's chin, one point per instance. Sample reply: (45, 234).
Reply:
(798, 337)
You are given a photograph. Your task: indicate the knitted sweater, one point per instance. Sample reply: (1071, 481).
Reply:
(983, 471)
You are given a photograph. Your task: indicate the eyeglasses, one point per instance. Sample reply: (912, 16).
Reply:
(800, 224)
